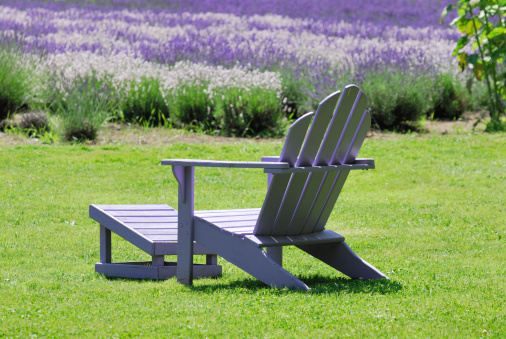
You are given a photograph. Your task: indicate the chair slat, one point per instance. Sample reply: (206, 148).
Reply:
(289, 204)
(309, 151)
(337, 125)
(295, 138)
(305, 193)
(278, 183)
(350, 130)
(318, 128)
(270, 207)
(305, 203)
(350, 157)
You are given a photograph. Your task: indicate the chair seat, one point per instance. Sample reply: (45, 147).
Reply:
(239, 222)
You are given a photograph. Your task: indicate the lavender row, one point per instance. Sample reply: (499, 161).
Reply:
(264, 42)
(381, 13)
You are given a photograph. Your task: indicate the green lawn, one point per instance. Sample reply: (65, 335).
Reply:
(431, 216)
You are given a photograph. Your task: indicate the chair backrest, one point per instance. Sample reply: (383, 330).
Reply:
(301, 203)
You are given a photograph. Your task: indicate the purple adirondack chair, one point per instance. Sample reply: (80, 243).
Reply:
(304, 183)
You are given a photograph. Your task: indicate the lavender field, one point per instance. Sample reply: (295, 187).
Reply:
(237, 67)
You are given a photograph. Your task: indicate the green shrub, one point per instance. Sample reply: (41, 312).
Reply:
(83, 105)
(34, 123)
(397, 100)
(144, 103)
(451, 98)
(191, 106)
(248, 113)
(14, 82)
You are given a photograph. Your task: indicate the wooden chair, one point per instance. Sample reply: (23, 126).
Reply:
(304, 183)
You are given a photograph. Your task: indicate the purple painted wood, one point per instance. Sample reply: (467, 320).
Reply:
(161, 207)
(134, 220)
(294, 139)
(147, 232)
(154, 225)
(218, 163)
(300, 196)
(250, 211)
(105, 244)
(341, 134)
(232, 218)
(186, 180)
(149, 213)
(337, 125)
(250, 223)
(317, 131)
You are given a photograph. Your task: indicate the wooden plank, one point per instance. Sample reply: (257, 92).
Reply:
(331, 168)
(185, 224)
(317, 131)
(217, 163)
(131, 220)
(134, 207)
(152, 213)
(239, 229)
(313, 238)
(121, 229)
(305, 203)
(350, 130)
(141, 270)
(270, 208)
(148, 232)
(331, 201)
(232, 218)
(105, 244)
(246, 256)
(251, 223)
(127, 270)
(356, 144)
(170, 248)
(321, 199)
(166, 237)
(342, 258)
(336, 127)
(289, 204)
(154, 225)
(294, 139)
(364, 160)
(228, 213)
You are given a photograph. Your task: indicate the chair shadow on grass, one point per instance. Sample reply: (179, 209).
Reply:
(319, 284)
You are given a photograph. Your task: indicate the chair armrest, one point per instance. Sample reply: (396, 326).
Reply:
(217, 163)
(330, 168)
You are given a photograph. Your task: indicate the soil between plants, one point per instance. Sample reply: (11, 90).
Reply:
(122, 134)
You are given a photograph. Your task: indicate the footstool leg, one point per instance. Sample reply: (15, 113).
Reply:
(105, 244)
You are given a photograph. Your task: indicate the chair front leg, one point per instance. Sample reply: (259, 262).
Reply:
(185, 176)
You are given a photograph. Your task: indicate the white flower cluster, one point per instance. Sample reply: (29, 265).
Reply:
(124, 71)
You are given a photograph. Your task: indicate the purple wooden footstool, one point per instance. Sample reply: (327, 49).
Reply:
(153, 229)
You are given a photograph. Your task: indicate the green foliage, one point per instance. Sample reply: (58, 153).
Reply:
(249, 113)
(191, 106)
(228, 111)
(397, 99)
(82, 105)
(450, 99)
(143, 102)
(15, 85)
(431, 216)
(482, 23)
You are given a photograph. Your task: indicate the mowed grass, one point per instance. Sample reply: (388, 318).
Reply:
(431, 216)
